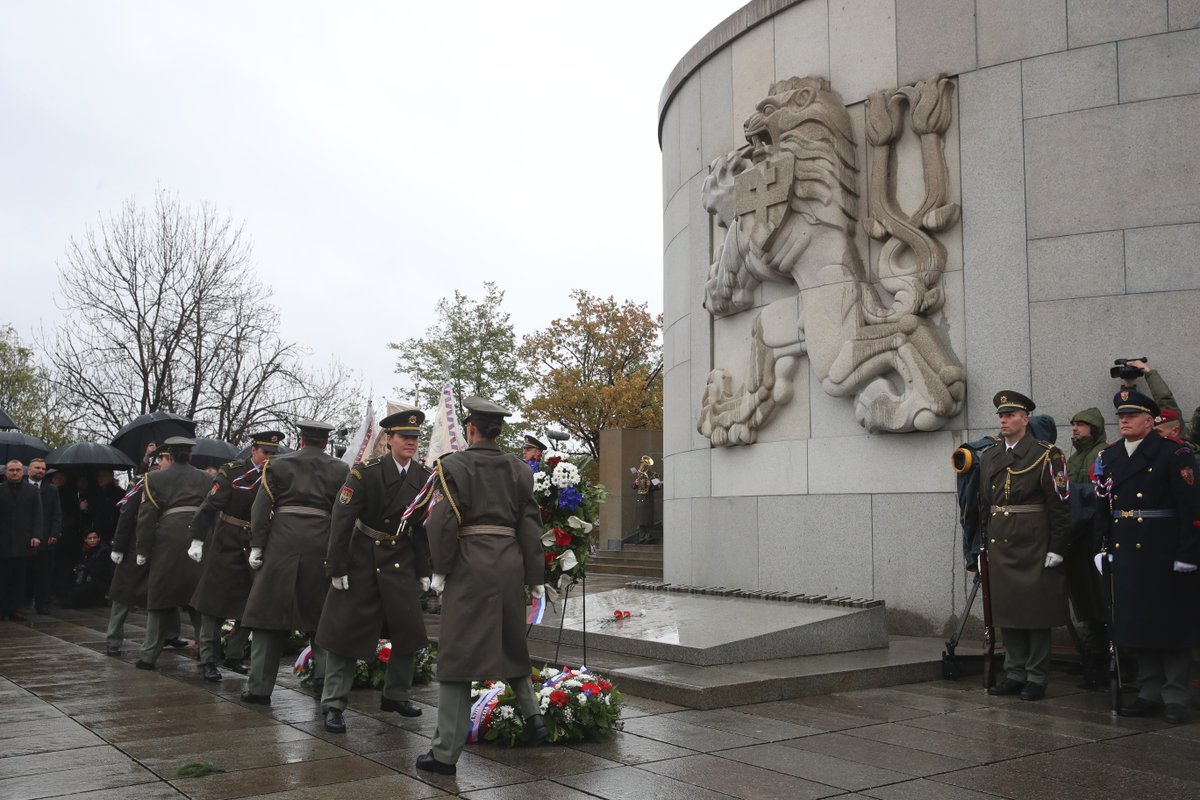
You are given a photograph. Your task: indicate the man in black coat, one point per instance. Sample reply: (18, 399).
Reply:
(42, 564)
(1149, 526)
(20, 532)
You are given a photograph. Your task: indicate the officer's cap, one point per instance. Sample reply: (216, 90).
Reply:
(267, 441)
(535, 443)
(405, 423)
(179, 444)
(1008, 400)
(311, 429)
(484, 410)
(1130, 401)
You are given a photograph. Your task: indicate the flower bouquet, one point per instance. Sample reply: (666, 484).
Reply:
(371, 676)
(569, 506)
(575, 703)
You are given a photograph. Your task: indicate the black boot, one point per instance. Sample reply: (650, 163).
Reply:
(535, 729)
(334, 722)
(210, 673)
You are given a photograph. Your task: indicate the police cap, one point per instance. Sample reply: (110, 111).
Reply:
(1131, 401)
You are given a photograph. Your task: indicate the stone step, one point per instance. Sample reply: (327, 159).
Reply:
(626, 569)
(611, 557)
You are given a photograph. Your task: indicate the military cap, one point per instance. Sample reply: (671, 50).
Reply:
(535, 443)
(311, 429)
(485, 409)
(405, 423)
(177, 444)
(1164, 415)
(1008, 400)
(1131, 401)
(267, 441)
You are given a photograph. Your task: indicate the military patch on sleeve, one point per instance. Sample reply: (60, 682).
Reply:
(346, 495)
(1188, 475)
(1062, 483)
(215, 488)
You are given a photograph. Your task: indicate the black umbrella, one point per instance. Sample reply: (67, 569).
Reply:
(88, 454)
(212, 453)
(244, 455)
(155, 427)
(6, 421)
(21, 446)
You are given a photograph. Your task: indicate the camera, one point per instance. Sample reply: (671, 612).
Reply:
(1122, 369)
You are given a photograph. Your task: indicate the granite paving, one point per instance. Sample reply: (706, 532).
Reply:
(82, 725)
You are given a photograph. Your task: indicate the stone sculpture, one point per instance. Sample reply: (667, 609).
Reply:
(786, 204)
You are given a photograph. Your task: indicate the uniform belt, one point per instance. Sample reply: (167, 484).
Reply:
(180, 510)
(487, 530)
(305, 510)
(241, 523)
(1144, 513)
(377, 535)
(1027, 509)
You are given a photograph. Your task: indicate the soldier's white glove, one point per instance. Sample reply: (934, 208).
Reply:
(117, 557)
(438, 583)
(538, 592)
(1099, 561)
(341, 582)
(1183, 566)
(255, 560)
(196, 550)
(424, 585)
(141, 560)
(1053, 560)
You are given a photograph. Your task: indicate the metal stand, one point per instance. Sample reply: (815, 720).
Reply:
(563, 619)
(950, 667)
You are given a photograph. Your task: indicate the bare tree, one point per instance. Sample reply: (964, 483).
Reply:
(164, 313)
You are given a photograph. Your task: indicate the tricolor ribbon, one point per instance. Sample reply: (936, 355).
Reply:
(419, 499)
(481, 712)
(239, 481)
(137, 487)
(536, 610)
(562, 676)
(304, 656)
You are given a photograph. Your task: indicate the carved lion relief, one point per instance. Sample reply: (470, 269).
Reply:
(786, 204)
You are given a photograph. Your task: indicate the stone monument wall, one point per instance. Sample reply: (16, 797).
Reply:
(1072, 147)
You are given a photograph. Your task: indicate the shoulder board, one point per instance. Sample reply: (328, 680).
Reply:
(367, 463)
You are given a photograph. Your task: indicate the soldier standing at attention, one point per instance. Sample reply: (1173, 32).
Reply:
(289, 535)
(170, 498)
(532, 449)
(1149, 525)
(377, 572)
(485, 542)
(225, 577)
(1026, 523)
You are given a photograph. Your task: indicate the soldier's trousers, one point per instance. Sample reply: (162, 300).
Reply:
(159, 623)
(211, 651)
(454, 715)
(116, 625)
(1026, 654)
(1164, 675)
(339, 679)
(266, 648)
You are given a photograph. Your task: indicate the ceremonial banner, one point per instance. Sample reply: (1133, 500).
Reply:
(359, 445)
(447, 436)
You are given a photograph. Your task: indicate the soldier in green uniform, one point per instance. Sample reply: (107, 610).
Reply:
(170, 497)
(485, 543)
(223, 521)
(289, 536)
(1026, 525)
(377, 571)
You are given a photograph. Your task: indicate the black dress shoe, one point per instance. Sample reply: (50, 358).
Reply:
(334, 722)
(210, 673)
(146, 665)
(430, 764)
(1140, 708)
(256, 699)
(405, 708)
(236, 665)
(1033, 691)
(177, 643)
(1006, 687)
(535, 729)
(1177, 714)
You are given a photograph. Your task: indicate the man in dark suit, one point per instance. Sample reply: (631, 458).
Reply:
(20, 534)
(377, 573)
(42, 563)
(1149, 527)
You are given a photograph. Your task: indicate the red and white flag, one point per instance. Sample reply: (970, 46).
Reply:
(447, 436)
(360, 444)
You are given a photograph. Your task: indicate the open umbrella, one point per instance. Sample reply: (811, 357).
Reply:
(21, 446)
(212, 453)
(155, 427)
(6, 421)
(88, 454)
(243, 455)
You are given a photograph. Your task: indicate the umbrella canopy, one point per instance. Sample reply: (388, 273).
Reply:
(21, 446)
(155, 427)
(6, 421)
(212, 453)
(244, 455)
(88, 454)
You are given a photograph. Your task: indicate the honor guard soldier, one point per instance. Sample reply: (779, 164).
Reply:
(289, 535)
(532, 449)
(378, 568)
(223, 523)
(1149, 527)
(1026, 524)
(485, 543)
(171, 496)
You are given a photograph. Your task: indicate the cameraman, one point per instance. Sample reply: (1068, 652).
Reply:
(1158, 387)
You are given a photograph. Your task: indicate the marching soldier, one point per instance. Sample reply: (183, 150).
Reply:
(1026, 525)
(225, 575)
(1149, 527)
(170, 497)
(485, 542)
(377, 570)
(289, 535)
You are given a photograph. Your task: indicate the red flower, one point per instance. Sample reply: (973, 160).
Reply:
(549, 557)
(559, 698)
(562, 538)
(617, 614)
(605, 686)
(552, 461)
(385, 655)
(590, 688)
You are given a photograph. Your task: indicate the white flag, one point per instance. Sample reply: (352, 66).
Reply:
(359, 444)
(447, 436)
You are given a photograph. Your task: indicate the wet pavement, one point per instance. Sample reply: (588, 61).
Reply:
(79, 724)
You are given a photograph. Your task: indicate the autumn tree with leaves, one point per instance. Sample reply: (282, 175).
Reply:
(26, 392)
(599, 368)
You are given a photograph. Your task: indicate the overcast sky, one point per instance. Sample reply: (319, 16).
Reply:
(381, 155)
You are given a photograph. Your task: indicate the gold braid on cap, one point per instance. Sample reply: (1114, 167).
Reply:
(437, 466)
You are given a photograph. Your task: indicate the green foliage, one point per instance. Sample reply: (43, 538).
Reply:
(197, 769)
(26, 392)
